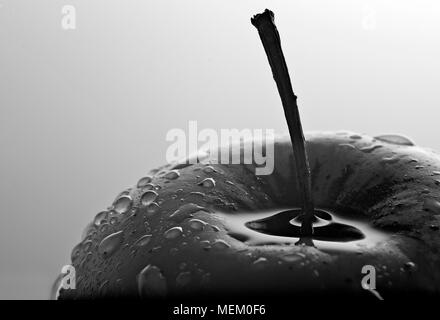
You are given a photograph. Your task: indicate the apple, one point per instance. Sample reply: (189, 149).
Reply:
(335, 203)
(178, 235)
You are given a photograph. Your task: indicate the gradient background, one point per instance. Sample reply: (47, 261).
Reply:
(84, 112)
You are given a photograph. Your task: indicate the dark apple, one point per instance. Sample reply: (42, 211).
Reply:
(180, 233)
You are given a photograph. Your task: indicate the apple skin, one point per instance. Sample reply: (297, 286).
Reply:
(392, 184)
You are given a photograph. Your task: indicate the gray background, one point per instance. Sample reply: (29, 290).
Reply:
(84, 113)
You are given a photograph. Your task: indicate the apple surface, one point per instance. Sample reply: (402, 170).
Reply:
(211, 229)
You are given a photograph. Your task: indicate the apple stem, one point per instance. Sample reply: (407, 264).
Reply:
(264, 22)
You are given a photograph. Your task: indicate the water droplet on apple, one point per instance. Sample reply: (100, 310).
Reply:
(197, 224)
(89, 230)
(143, 182)
(151, 282)
(143, 241)
(206, 245)
(292, 257)
(260, 261)
(148, 197)
(220, 244)
(155, 249)
(370, 148)
(152, 208)
(347, 145)
(185, 211)
(183, 279)
(208, 183)
(113, 220)
(208, 169)
(171, 175)
(122, 204)
(100, 218)
(408, 266)
(123, 193)
(103, 227)
(110, 244)
(197, 193)
(76, 252)
(87, 245)
(395, 139)
(390, 160)
(173, 233)
(149, 186)
(432, 205)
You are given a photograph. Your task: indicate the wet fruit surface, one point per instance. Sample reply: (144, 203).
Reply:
(207, 227)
